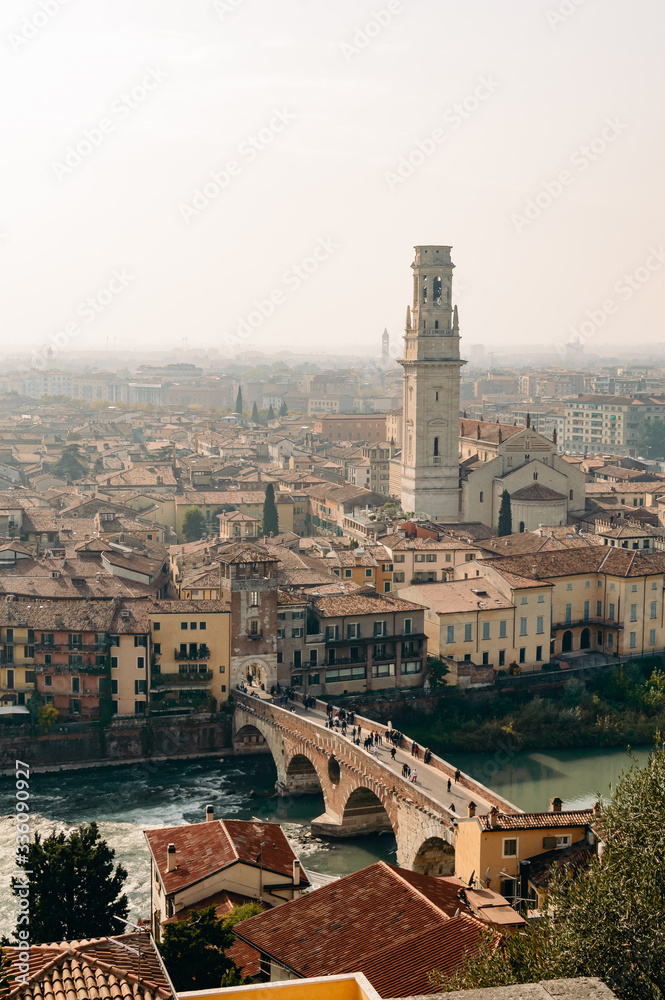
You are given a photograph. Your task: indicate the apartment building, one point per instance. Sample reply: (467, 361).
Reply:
(351, 427)
(191, 654)
(596, 422)
(426, 560)
(362, 642)
(130, 653)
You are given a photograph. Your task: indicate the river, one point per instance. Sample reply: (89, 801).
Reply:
(125, 800)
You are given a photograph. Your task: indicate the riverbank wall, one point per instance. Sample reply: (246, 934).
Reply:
(123, 741)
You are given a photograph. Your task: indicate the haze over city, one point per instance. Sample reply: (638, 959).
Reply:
(520, 133)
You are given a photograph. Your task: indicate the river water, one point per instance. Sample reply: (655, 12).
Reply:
(126, 800)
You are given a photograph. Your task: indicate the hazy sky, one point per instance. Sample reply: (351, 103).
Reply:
(117, 111)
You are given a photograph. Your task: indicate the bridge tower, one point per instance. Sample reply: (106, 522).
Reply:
(431, 363)
(249, 583)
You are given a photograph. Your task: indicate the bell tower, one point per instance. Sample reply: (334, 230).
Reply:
(431, 363)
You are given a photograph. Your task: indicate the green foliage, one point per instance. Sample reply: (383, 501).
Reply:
(238, 408)
(437, 672)
(651, 439)
(505, 526)
(71, 463)
(270, 518)
(194, 952)
(283, 410)
(255, 413)
(74, 890)
(194, 524)
(271, 413)
(47, 716)
(242, 911)
(610, 918)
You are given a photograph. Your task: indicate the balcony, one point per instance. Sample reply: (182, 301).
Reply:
(202, 654)
(180, 680)
(340, 661)
(255, 635)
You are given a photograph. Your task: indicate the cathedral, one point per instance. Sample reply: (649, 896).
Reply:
(453, 469)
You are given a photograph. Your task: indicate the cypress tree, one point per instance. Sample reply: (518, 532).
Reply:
(283, 410)
(270, 519)
(255, 413)
(505, 515)
(271, 413)
(239, 400)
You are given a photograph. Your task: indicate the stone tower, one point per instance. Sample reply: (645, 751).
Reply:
(431, 363)
(385, 349)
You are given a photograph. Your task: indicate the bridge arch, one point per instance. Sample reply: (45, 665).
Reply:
(249, 739)
(365, 812)
(435, 856)
(302, 775)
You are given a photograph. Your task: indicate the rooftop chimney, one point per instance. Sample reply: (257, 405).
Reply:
(555, 805)
(494, 815)
(296, 872)
(471, 809)
(170, 857)
(210, 813)
(597, 809)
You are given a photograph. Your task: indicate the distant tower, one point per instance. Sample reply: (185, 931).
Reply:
(431, 363)
(385, 349)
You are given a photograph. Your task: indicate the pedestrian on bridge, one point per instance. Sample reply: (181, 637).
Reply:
(458, 774)
(414, 776)
(353, 734)
(449, 784)
(393, 753)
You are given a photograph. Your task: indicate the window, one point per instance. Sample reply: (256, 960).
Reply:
(524, 600)
(139, 687)
(254, 627)
(633, 612)
(503, 625)
(539, 652)
(502, 657)
(634, 588)
(296, 632)
(383, 670)
(353, 631)
(486, 630)
(157, 648)
(379, 629)
(587, 583)
(202, 626)
(193, 626)
(407, 626)
(47, 638)
(48, 680)
(76, 685)
(75, 660)
(523, 654)
(654, 585)
(412, 667)
(450, 633)
(139, 708)
(569, 614)
(467, 633)
(29, 651)
(633, 640)
(10, 635)
(540, 625)
(332, 633)
(541, 598)
(183, 626)
(652, 637)
(254, 599)
(74, 706)
(140, 640)
(156, 626)
(281, 616)
(599, 608)
(610, 614)
(587, 609)
(510, 848)
(653, 611)
(114, 663)
(569, 586)
(140, 663)
(75, 640)
(481, 496)
(523, 626)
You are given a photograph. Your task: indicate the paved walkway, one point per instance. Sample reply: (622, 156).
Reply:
(430, 779)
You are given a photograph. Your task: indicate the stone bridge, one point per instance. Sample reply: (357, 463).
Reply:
(362, 794)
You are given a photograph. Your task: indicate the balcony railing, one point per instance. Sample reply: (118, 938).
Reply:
(183, 654)
(255, 635)
(178, 680)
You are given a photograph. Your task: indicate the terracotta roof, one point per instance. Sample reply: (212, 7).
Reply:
(205, 848)
(363, 604)
(537, 492)
(458, 595)
(537, 820)
(566, 859)
(576, 562)
(489, 432)
(392, 925)
(90, 970)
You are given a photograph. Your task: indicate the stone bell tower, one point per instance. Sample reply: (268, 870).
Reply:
(431, 363)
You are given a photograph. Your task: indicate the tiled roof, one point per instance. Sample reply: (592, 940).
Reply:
(92, 970)
(566, 859)
(536, 821)
(458, 595)
(365, 604)
(571, 562)
(205, 848)
(392, 925)
(489, 432)
(537, 492)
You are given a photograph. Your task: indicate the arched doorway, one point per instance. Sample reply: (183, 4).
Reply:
(585, 639)
(302, 777)
(567, 641)
(364, 813)
(434, 857)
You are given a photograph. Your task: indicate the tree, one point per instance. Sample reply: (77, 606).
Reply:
(283, 410)
(71, 463)
(505, 515)
(437, 672)
(239, 401)
(271, 413)
(194, 952)
(651, 439)
(74, 891)
(47, 716)
(194, 524)
(609, 917)
(270, 518)
(255, 413)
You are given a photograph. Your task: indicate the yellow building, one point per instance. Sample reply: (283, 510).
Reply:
(130, 651)
(496, 846)
(191, 646)
(17, 663)
(352, 987)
